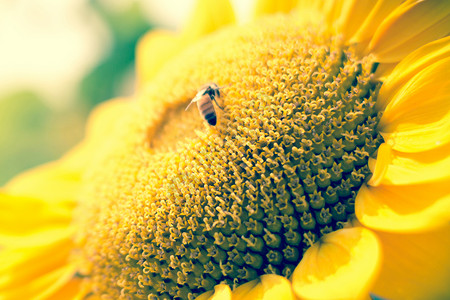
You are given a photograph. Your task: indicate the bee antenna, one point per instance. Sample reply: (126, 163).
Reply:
(225, 86)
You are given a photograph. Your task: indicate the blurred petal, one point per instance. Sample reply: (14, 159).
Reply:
(221, 292)
(418, 117)
(380, 10)
(153, 51)
(58, 284)
(264, 7)
(411, 25)
(341, 266)
(66, 289)
(38, 217)
(398, 168)
(404, 208)
(353, 15)
(208, 16)
(311, 12)
(36, 247)
(44, 198)
(415, 266)
(37, 265)
(267, 287)
(333, 11)
(157, 47)
(410, 66)
(51, 183)
(103, 120)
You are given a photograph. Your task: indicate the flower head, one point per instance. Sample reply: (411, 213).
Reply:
(331, 153)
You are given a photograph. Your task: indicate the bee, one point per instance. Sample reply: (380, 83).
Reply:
(204, 98)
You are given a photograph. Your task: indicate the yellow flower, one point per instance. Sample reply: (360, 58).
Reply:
(326, 177)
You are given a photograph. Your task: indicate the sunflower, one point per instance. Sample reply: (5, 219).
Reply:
(326, 177)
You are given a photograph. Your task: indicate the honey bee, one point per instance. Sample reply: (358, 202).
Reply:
(204, 98)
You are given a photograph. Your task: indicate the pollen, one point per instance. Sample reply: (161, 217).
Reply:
(175, 207)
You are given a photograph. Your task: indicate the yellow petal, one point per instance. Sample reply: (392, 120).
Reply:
(430, 34)
(36, 204)
(312, 12)
(21, 216)
(103, 120)
(267, 287)
(45, 197)
(379, 12)
(410, 66)
(332, 11)
(19, 266)
(208, 16)
(341, 266)
(264, 7)
(383, 70)
(404, 208)
(221, 292)
(57, 284)
(51, 182)
(411, 25)
(153, 51)
(157, 47)
(415, 266)
(353, 15)
(418, 117)
(380, 166)
(205, 296)
(398, 168)
(70, 289)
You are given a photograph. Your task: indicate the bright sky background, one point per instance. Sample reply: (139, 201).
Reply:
(49, 45)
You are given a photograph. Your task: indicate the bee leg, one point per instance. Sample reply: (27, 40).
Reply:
(214, 98)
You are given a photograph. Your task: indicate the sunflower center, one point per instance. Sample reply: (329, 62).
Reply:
(281, 169)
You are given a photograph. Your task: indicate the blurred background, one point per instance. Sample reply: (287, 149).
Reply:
(58, 59)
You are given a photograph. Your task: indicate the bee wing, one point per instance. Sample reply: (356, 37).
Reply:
(195, 99)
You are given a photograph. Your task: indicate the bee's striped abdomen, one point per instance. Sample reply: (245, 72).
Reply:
(211, 119)
(206, 108)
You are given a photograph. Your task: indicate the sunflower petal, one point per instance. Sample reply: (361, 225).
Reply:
(51, 182)
(415, 266)
(221, 292)
(353, 15)
(44, 198)
(57, 284)
(404, 208)
(410, 66)
(27, 264)
(311, 12)
(208, 16)
(332, 10)
(342, 266)
(153, 51)
(263, 7)
(378, 13)
(35, 216)
(380, 166)
(70, 289)
(411, 25)
(411, 168)
(267, 287)
(418, 117)
(103, 120)
(157, 47)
